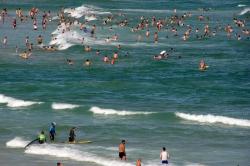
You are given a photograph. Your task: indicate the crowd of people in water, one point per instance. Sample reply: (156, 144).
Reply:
(236, 31)
(164, 154)
(175, 22)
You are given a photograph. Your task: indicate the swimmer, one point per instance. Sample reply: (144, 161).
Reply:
(106, 59)
(115, 56)
(87, 48)
(39, 40)
(119, 46)
(147, 33)
(70, 62)
(97, 52)
(87, 62)
(5, 41)
(202, 65)
(112, 61)
(24, 55)
(156, 37)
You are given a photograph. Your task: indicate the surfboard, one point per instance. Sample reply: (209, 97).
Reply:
(79, 142)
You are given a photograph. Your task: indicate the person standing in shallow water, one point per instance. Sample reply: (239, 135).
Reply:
(164, 156)
(52, 131)
(72, 135)
(122, 152)
(138, 162)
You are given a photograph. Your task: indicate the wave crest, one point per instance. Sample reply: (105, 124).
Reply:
(97, 110)
(214, 119)
(12, 102)
(84, 10)
(244, 11)
(60, 106)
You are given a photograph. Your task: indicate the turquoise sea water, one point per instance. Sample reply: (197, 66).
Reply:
(203, 118)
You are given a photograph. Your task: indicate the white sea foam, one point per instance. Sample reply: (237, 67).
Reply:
(241, 5)
(90, 18)
(146, 10)
(12, 102)
(244, 11)
(60, 106)
(97, 110)
(17, 142)
(214, 119)
(84, 10)
(73, 154)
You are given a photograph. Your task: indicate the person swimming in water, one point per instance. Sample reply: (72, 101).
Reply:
(70, 62)
(202, 65)
(87, 62)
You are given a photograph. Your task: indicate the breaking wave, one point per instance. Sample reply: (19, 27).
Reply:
(214, 119)
(84, 10)
(60, 106)
(97, 110)
(12, 102)
(73, 154)
(244, 11)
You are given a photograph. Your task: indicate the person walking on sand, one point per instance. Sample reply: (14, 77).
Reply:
(164, 156)
(122, 152)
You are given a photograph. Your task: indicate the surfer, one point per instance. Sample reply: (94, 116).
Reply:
(122, 152)
(164, 156)
(72, 135)
(41, 137)
(52, 131)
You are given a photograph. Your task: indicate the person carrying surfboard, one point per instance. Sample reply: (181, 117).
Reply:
(72, 135)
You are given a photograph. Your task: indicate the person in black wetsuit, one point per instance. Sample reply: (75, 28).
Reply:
(72, 134)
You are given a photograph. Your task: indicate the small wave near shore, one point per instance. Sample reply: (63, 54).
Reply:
(61, 106)
(102, 111)
(13, 102)
(214, 119)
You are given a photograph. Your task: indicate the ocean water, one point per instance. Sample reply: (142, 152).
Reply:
(202, 118)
